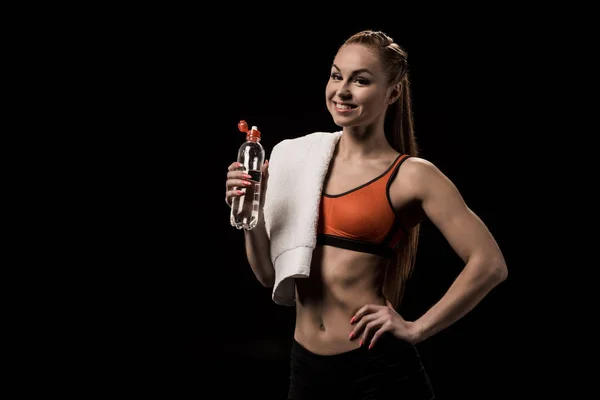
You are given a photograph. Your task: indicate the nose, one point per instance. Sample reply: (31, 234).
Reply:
(343, 92)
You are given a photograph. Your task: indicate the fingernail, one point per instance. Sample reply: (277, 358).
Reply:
(370, 346)
(361, 342)
(351, 335)
(352, 320)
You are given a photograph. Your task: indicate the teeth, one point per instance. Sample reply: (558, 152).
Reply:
(343, 106)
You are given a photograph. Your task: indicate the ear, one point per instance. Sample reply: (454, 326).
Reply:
(395, 93)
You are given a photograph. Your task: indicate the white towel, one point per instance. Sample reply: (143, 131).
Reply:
(297, 170)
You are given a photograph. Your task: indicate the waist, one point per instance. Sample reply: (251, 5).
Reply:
(324, 326)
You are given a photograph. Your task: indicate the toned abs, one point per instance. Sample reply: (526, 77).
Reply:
(340, 283)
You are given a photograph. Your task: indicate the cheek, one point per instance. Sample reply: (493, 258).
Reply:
(329, 91)
(370, 100)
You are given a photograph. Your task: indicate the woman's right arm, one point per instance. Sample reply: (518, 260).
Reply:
(258, 253)
(256, 240)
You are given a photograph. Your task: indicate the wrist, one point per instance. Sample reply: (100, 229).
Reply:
(418, 332)
(260, 226)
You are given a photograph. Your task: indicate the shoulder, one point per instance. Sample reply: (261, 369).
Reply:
(415, 168)
(307, 139)
(421, 175)
(418, 167)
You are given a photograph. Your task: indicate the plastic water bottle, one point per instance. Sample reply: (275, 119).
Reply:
(251, 155)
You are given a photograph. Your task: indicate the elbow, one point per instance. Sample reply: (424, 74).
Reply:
(491, 271)
(498, 271)
(267, 281)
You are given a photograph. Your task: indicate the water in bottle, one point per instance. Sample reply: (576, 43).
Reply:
(251, 155)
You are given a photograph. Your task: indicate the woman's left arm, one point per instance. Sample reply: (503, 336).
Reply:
(470, 238)
(422, 182)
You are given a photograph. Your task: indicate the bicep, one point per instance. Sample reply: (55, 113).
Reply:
(445, 207)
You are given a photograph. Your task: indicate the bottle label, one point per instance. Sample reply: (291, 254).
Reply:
(256, 175)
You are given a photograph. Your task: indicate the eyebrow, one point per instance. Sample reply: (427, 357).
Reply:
(358, 71)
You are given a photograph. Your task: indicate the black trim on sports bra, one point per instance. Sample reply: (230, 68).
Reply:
(356, 245)
(389, 183)
(393, 231)
(366, 183)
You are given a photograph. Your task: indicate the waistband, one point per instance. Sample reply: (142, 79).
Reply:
(387, 343)
(299, 350)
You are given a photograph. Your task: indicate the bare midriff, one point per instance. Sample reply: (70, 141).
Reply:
(340, 283)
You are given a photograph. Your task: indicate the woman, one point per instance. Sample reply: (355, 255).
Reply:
(349, 341)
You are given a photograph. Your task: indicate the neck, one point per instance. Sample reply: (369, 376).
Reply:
(362, 142)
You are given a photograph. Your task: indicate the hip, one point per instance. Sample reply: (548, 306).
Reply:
(392, 368)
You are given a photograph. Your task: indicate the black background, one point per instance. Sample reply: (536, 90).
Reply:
(200, 321)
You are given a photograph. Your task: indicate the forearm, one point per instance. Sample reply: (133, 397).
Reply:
(470, 287)
(258, 253)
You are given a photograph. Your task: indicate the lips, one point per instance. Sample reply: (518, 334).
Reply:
(344, 107)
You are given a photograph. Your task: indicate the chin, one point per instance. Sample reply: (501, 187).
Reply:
(345, 122)
(342, 124)
(340, 121)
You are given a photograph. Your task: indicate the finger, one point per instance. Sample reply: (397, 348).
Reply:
(230, 194)
(238, 174)
(234, 183)
(265, 170)
(367, 309)
(359, 314)
(384, 328)
(370, 329)
(234, 166)
(360, 325)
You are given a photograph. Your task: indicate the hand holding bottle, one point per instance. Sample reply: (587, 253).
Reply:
(246, 192)
(237, 179)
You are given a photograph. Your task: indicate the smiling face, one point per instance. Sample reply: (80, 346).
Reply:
(358, 91)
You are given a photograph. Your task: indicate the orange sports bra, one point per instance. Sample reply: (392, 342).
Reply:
(363, 218)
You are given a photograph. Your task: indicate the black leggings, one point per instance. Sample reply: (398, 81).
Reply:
(392, 369)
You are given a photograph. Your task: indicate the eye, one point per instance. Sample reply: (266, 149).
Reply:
(360, 80)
